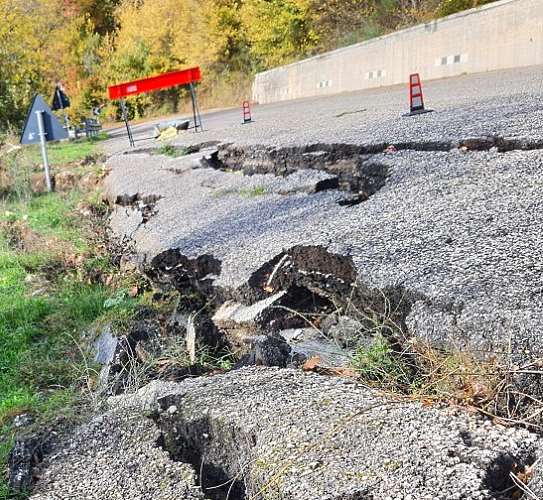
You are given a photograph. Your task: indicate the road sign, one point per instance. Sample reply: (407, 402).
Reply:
(51, 126)
(60, 99)
(167, 80)
(42, 126)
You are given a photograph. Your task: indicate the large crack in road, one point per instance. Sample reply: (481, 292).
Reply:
(365, 174)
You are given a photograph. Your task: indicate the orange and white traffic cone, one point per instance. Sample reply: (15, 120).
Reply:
(416, 98)
(247, 117)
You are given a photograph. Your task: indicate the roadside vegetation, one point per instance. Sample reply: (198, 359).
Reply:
(90, 44)
(56, 280)
(61, 286)
(172, 151)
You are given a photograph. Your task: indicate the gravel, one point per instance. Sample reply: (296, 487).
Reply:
(299, 436)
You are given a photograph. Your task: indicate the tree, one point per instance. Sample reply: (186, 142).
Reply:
(278, 31)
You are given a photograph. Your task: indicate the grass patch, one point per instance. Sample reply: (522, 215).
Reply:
(253, 192)
(21, 166)
(60, 153)
(429, 374)
(172, 151)
(50, 215)
(379, 364)
(52, 289)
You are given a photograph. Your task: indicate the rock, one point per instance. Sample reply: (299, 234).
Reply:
(267, 351)
(24, 455)
(105, 347)
(118, 351)
(346, 332)
(240, 322)
(23, 420)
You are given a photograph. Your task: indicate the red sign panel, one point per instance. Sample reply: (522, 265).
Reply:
(167, 80)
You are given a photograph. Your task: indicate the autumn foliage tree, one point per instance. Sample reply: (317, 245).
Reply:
(89, 44)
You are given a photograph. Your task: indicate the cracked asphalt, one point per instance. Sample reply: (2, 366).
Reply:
(505, 103)
(462, 228)
(338, 441)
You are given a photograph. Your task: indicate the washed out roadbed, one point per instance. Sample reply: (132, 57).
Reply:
(283, 433)
(383, 277)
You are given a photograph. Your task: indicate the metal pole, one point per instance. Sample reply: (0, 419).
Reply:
(195, 110)
(125, 118)
(42, 134)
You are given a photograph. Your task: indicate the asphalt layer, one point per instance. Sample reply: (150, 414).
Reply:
(462, 229)
(114, 456)
(505, 103)
(283, 434)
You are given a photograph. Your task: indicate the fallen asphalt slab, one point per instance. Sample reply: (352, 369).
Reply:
(270, 433)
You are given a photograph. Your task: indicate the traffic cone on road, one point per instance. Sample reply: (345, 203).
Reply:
(416, 98)
(247, 118)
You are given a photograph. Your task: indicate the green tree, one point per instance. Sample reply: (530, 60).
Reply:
(278, 31)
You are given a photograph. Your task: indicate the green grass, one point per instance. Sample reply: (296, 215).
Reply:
(60, 153)
(380, 364)
(253, 192)
(172, 151)
(49, 215)
(41, 367)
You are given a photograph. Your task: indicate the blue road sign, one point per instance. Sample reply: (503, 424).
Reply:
(52, 128)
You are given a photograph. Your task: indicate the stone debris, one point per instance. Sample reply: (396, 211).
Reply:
(266, 350)
(308, 343)
(25, 454)
(241, 322)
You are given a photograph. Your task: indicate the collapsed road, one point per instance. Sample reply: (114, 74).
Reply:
(428, 226)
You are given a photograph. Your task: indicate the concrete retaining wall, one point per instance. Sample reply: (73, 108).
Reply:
(504, 34)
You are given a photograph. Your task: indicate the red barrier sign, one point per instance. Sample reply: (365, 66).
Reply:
(167, 80)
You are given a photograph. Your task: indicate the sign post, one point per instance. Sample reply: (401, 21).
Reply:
(42, 134)
(195, 110)
(124, 113)
(41, 126)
